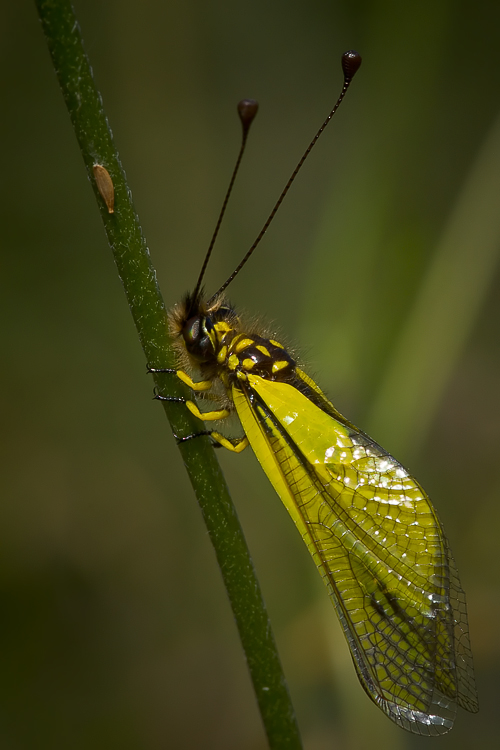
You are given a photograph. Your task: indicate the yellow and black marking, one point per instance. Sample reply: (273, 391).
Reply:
(369, 526)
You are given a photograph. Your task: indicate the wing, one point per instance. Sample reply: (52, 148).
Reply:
(379, 547)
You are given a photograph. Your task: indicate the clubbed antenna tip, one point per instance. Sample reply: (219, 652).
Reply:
(351, 60)
(247, 109)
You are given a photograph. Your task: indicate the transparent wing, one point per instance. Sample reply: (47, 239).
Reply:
(380, 549)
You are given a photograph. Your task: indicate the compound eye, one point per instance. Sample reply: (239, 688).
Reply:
(197, 339)
(191, 331)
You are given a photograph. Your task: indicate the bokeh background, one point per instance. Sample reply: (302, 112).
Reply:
(381, 267)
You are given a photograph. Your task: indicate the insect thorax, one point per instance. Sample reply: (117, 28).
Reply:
(239, 353)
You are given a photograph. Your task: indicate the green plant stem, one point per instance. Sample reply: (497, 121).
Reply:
(148, 310)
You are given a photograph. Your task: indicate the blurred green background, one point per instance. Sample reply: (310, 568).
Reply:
(115, 631)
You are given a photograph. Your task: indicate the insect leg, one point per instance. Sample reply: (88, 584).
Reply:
(175, 399)
(205, 416)
(235, 445)
(202, 385)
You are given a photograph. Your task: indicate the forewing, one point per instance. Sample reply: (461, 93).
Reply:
(381, 551)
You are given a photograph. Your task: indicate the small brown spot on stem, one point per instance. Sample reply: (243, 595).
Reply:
(105, 186)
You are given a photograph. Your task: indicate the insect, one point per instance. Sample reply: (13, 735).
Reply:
(368, 524)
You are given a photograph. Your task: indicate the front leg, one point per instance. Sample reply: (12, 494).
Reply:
(201, 385)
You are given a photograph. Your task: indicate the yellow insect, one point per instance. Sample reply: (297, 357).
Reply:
(369, 526)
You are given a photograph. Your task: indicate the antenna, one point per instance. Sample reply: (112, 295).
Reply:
(247, 109)
(351, 61)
